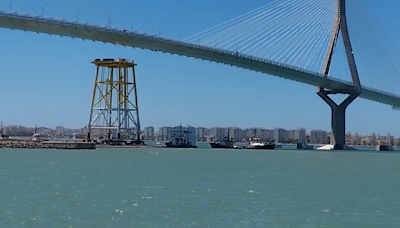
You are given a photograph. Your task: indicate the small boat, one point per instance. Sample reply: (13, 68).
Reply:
(261, 146)
(384, 148)
(226, 143)
(36, 136)
(257, 144)
(304, 146)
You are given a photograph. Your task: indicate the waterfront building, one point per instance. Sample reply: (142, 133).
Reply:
(299, 135)
(200, 133)
(279, 135)
(149, 133)
(319, 137)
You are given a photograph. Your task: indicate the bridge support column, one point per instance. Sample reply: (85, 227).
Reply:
(338, 118)
(338, 121)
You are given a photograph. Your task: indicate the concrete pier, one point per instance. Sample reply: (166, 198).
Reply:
(30, 144)
(338, 118)
(69, 145)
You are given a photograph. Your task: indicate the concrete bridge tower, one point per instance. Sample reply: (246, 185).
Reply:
(338, 122)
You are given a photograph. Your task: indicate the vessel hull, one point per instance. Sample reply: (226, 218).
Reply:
(220, 146)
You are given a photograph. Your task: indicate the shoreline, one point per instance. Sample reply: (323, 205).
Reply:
(31, 144)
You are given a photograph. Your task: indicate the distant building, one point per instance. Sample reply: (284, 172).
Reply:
(355, 139)
(218, 133)
(373, 139)
(235, 134)
(268, 135)
(299, 135)
(163, 133)
(249, 133)
(60, 131)
(389, 139)
(319, 137)
(149, 133)
(200, 134)
(279, 135)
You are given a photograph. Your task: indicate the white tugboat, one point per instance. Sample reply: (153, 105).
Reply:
(257, 144)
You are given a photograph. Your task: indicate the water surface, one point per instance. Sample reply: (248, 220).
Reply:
(198, 188)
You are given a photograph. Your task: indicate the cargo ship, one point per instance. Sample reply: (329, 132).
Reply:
(181, 137)
(226, 143)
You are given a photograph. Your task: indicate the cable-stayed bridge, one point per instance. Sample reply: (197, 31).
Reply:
(290, 39)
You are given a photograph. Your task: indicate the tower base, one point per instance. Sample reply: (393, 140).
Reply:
(338, 117)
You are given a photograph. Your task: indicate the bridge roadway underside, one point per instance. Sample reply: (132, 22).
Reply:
(96, 33)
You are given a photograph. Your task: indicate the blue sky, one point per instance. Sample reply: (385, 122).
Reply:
(48, 80)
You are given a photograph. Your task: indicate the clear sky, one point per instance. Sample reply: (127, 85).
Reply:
(48, 80)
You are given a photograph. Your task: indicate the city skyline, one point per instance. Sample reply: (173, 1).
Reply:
(278, 135)
(83, 129)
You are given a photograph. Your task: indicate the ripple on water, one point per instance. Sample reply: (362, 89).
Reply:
(197, 188)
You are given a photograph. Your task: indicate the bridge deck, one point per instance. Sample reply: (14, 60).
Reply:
(154, 43)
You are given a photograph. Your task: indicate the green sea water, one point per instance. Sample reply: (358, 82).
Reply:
(198, 188)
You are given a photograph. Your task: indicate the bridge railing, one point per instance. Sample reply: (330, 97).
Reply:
(49, 20)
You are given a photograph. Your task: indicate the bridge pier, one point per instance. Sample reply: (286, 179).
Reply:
(338, 117)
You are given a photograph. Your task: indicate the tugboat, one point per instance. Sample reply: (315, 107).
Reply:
(181, 138)
(257, 144)
(304, 146)
(226, 143)
(384, 148)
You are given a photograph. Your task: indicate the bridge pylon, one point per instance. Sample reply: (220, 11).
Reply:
(338, 119)
(113, 115)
